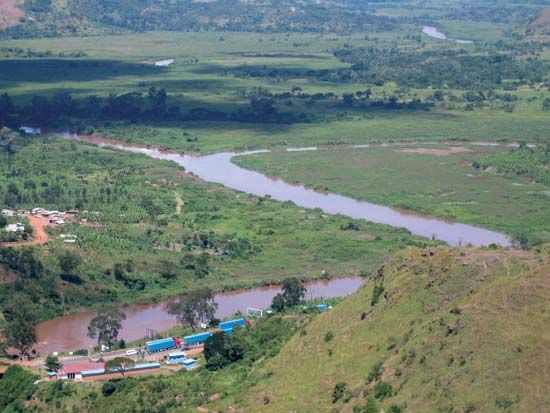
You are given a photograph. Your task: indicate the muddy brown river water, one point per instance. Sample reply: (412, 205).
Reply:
(69, 332)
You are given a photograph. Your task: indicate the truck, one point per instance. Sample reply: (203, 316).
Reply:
(227, 326)
(163, 344)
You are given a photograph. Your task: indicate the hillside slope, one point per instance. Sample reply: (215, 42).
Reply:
(56, 17)
(453, 330)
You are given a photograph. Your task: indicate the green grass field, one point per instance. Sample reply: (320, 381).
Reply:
(444, 186)
(202, 77)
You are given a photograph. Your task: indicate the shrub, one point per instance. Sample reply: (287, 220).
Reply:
(376, 293)
(375, 372)
(338, 392)
(329, 336)
(15, 387)
(108, 388)
(383, 390)
(397, 408)
(216, 362)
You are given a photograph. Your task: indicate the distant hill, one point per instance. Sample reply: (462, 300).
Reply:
(55, 17)
(453, 331)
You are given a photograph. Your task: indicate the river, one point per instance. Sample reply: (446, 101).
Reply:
(68, 333)
(435, 33)
(218, 168)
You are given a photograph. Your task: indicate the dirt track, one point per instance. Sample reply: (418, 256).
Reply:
(38, 225)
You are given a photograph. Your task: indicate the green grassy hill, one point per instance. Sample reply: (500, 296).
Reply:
(452, 331)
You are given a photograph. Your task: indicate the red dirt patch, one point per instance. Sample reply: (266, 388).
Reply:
(38, 225)
(543, 19)
(10, 13)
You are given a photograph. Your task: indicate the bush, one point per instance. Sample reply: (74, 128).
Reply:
(216, 362)
(108, 388)
(338, 392)
(376, 293)
(329, 336)
(15, 387)
(375, 372)
(397, 408)
(383, 390)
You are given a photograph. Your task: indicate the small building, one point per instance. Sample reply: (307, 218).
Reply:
(175, 357)
(19, 227)
(8, 213)
(77, 371)
(29, 130)
(196, 340)
(189, 364)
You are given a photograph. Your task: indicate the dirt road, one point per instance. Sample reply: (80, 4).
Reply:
(38, 225)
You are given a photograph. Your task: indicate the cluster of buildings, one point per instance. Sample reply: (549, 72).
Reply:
(179, 351)
(55, 217)
(92, 371)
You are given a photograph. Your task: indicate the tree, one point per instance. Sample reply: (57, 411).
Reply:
(7, 144)
(69, 262)
(17, 387)
(19, 330)
(119, 364)
(221, 349)
(193, 307)
(293, 292)
(52, 363)
(106, 325)
(278, 303)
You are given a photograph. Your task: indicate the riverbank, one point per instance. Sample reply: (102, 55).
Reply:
(219, 168)
(432, 180)
(69, 333)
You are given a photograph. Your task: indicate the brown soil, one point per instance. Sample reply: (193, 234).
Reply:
(38, 225)
(436, 152)
(543, 19)
(10, 13)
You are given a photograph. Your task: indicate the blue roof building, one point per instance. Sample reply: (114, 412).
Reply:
(229, 325)
(196, 339)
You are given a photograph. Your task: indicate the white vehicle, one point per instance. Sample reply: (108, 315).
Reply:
(104, 348)
(131, 352)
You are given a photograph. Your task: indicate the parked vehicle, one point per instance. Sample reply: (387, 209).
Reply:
(162, 344)
(131, 352)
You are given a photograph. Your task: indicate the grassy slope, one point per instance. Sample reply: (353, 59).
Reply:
(430, 185)
(499, 357)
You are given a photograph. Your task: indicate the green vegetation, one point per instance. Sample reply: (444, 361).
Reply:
(534, 163)
(177, 391)
(18, 327)
(193, 307)
(17, 387)
(106, 326)
(414, 350)
(293, 292)
(429, 180)
(435, 330)
(138, 244)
